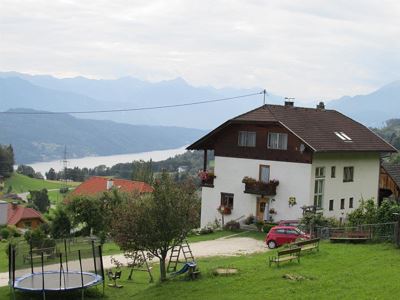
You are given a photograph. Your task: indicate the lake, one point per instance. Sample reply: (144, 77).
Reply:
(110, 160)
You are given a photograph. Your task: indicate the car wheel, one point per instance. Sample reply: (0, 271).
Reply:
(271, 244)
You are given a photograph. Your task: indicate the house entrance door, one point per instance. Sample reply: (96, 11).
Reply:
(262, 206)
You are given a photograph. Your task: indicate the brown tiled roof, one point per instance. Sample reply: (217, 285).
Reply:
(394, 171)
(17, 213)
(316, 127)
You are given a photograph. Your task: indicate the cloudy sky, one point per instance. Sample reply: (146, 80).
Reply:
(308, 49)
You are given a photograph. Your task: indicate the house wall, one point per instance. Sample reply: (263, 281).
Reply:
(294, 181)
(34, 223)
(365, 184)
(386, 182)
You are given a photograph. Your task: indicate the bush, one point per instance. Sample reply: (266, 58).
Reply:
(232, 225)
(4, 233)
(249, 220)
(14, 232)
(267, 227)
(259, 225)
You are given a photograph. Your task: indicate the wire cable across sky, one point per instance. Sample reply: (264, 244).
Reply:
(131, 109)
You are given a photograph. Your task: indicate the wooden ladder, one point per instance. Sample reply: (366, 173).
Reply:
(175, 253)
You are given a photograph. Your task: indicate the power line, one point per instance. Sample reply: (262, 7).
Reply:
(129, 109)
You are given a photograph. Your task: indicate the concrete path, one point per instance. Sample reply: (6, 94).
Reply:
(226, 246)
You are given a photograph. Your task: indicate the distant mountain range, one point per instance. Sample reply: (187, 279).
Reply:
(373, 109)
(49, 93)
(42, 137)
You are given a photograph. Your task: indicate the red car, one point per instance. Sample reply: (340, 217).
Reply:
(294, 223)
(280, 235)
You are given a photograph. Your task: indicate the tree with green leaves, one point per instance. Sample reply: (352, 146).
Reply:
(6, 160)
(61, 224)
(159, 221)
(143, 171)
(40, 199)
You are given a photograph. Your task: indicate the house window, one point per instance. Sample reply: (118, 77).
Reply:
(333, 172)
(247, 139)
(320, 172)
(330, 204)
(264, 173)
(318, 192)
(28, 224)
(351, 202)
(341, 203)
(277, 140)
(348, 174)
(227, 200)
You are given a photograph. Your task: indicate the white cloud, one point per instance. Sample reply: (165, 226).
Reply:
(308, 49)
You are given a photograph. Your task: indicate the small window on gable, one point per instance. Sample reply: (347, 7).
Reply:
(351, 202)
(348, 174)
(247, 139)
(333, 172)
(227, 200)
(277, 141)
(319, 172)
(341, 203)
(330, 204)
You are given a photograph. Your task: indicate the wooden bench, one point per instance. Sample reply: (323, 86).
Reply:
(350, 236)
(286, 255)
(307, 245)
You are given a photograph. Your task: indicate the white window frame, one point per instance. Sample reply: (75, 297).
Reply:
(246, 142)
(319, 192)
(348, 178)
(279, 142)
(320, 172)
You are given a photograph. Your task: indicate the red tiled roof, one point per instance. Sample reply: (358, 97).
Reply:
(96, 184)
(316, 127)
(17, 213)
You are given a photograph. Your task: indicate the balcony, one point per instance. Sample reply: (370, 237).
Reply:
(207, 178)
(256, 187)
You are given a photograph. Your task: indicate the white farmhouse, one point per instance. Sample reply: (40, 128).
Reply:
(273, 160)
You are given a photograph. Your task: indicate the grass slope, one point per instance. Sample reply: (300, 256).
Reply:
(338, 271)
(21, 183)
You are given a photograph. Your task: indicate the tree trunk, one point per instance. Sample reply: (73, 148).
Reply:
(163, 271)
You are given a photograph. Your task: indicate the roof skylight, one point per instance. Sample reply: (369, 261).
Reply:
(344, 137)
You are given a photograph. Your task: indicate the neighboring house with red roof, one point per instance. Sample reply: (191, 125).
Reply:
(96, 185)
(20, 216)
(273, 160)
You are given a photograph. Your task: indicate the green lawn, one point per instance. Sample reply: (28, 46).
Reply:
(338, 271)
(3, 257)
(21, 183)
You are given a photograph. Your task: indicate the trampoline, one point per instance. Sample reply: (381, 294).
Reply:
(56, 269)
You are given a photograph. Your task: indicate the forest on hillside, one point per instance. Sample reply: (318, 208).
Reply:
(391, 133)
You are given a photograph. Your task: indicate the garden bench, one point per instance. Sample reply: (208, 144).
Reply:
(286, 255)
(307, 245)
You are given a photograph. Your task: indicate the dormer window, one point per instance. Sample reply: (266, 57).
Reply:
(247, 139)
(344, 137)
(277, 141)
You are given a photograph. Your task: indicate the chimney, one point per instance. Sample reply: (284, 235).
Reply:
(289, 102)
(3, 213)
(110, 184)
(321, 105)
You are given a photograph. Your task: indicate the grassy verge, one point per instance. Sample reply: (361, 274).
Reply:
(21, 183)
(338, 271)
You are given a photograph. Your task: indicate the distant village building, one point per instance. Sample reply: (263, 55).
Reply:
(20, 216)
(96, 185)
(271, 161)
(182, 169)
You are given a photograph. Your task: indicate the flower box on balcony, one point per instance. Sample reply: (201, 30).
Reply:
(256, 187)
(207, 178)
